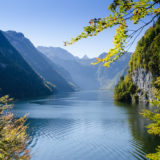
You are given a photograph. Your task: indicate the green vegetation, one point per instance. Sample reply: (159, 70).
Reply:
(154, 117)
(13, 136)
(125, 90)
(147, 54)
(123, 12)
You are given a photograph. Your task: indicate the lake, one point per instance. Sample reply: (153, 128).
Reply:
(86, 125)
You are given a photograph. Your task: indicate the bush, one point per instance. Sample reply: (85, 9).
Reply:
(154, 117)
(124, 90)
(13, 136)
(147, 53)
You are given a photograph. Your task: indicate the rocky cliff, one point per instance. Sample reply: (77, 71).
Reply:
(143, 80)
(144, 67)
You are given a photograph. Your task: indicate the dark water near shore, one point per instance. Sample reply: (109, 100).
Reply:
(85, 125)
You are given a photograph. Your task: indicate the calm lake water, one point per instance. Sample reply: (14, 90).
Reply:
(85, 125)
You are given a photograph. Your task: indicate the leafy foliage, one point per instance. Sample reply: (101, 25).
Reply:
(147, 54)
(133, 11)
(125, 89)
(13, 136)
(122, 12)
(154, 116)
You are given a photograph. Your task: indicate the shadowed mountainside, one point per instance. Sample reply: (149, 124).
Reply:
(40, 63)
(18, 79)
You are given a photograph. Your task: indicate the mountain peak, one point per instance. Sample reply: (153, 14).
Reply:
(103, 55)
(56, 52)
(85, 57)
(14, 33)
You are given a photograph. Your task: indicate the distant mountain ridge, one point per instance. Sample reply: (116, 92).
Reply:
(62, 53)
(109, 77)
(18, 79)
(85, 75)
(40, 63)
(46, 70)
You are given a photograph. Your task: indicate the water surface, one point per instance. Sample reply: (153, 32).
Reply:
(85, 125)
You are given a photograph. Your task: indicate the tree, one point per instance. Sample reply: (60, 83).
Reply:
(154, 117)
(122, 12)
(13, 135)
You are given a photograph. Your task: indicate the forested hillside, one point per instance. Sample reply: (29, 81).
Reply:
(144, 67)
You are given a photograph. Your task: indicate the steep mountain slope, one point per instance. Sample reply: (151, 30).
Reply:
(85, 75)
(18, 79)
(144, 67)
(82, 74)
(39, 62)
(109, 77)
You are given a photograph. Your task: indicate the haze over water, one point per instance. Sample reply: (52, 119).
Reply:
(86, 125)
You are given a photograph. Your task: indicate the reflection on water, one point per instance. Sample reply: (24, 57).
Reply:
(85, 125)
(147, 143)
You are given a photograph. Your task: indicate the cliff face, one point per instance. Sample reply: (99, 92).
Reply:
(144, 68)
(143, 80)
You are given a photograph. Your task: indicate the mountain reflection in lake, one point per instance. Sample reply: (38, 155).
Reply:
(85, 125)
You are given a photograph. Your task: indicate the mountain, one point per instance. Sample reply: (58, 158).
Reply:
(109, 77)
(56, 53)
(144, 68)
(85, 57)
(40, 63)
(85, 75)
(18, 79)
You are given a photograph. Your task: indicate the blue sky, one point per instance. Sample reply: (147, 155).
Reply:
(50, 22)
